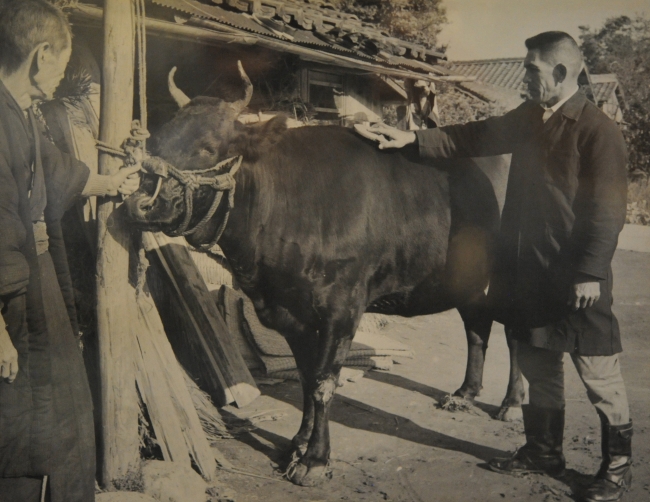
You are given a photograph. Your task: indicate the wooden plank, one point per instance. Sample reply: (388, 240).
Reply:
(162, 385)
(219, 361)
(119, 400)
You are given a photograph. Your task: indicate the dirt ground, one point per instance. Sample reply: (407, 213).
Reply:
(391, 442)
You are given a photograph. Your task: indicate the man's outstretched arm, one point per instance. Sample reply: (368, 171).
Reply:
(483, 138)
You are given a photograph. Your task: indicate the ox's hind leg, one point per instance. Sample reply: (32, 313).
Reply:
(333, 345)
(511, 406)
(467, 273)
(478, 325)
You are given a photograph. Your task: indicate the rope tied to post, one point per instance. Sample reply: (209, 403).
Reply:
(133, 149)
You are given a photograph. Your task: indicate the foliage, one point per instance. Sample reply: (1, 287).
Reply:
(638, 202)
(622, 46)
(456, 107)
(418, 21)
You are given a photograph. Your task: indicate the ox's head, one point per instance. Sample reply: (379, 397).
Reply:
(196, 139)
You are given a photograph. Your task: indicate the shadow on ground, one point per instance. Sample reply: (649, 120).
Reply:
(355, 414)
(435, 394)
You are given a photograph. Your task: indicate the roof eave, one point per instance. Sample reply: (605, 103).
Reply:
(214, 33)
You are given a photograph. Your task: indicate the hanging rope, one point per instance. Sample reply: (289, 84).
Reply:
(141, 38)
(139, 133)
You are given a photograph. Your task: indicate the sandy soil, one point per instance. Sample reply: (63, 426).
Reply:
(391, 442)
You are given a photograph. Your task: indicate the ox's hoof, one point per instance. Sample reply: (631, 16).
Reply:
(457, 403)
(303, 475)
(510, 414)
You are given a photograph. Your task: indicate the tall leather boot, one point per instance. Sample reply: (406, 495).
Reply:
(542, 453)
(615, 475)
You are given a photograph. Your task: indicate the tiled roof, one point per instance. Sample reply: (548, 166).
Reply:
(312, 23)
(503, 80)
(507, 98)
(504, 73)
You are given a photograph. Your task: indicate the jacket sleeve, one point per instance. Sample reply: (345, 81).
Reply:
(601, 200)
(66, 177)
(14, 269)
(483, 138)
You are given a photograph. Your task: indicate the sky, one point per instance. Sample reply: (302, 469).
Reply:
(485, 29)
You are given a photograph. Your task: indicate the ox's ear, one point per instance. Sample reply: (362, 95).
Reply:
(252, 141)
(275, 127)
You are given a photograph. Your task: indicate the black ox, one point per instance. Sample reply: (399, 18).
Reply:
(325, 227)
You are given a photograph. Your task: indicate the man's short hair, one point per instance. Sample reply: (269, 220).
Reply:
(558, 45)
(24, 24)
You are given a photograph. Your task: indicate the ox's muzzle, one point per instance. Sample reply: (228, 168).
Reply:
(143, 208)
(140, 204)
(160, 170)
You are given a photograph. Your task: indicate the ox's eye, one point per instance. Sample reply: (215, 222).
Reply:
(208, 151)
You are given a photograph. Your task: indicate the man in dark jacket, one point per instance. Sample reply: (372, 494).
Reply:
(46, 422)
(552, 285)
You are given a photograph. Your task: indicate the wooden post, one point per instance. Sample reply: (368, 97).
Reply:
(119, 401)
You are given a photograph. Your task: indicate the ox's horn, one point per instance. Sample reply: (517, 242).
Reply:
(179, 96)
(238, 106)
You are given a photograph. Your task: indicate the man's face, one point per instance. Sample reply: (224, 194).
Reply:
(541, 82)
(51, 69)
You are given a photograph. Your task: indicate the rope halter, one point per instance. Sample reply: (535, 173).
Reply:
(192, 181)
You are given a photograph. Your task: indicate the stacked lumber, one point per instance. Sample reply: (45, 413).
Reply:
(216, 360)
(165, 393)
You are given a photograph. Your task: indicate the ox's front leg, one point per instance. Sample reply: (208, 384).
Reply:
(511, 406)
(312, 468)
(304, 348)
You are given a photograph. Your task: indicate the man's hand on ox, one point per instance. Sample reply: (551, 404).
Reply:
(8, 356)
(584, 295)
(386, 136)
(125, 181)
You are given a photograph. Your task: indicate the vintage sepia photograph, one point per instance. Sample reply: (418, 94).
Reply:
(324, 250)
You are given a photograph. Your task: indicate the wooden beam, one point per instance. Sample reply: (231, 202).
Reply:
(399, 89)
(90, 15)
(219, 364)
(119, 400)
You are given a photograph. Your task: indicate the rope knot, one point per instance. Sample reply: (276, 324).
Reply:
(223, 182)
(192, 181)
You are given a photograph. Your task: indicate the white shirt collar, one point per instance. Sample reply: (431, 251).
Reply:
(550, 111)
